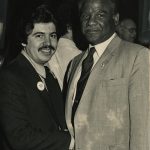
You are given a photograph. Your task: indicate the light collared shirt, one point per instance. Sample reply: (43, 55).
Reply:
(38, 68)
(100, 48)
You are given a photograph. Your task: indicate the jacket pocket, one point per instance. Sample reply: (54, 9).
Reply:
(115, 82)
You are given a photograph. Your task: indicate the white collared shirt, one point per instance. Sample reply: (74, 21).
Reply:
(100, 48)
(39, 68)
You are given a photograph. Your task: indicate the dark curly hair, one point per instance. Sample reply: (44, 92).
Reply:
(41, 14)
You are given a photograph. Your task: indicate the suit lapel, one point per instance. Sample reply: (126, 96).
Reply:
(75, 67)
(108, 54)
(32, 79)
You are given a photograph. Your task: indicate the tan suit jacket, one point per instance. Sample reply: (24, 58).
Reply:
(113, 110)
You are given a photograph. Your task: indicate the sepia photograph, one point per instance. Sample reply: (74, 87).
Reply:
(74, 75)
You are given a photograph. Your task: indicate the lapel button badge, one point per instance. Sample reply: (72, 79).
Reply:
(102, 65)
(40, 86)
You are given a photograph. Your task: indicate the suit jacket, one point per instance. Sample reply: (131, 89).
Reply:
(31, 119)
(113, 110)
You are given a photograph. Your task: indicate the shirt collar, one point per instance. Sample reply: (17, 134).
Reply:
(102, 46)
(39, 68)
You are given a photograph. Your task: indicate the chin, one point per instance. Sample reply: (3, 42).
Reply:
(45, 60)
(93, 41)
(93, 38)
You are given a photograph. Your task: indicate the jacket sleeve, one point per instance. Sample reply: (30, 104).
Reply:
(19, 132)
(138, 102)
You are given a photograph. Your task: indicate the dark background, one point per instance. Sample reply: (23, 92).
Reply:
(12, 10)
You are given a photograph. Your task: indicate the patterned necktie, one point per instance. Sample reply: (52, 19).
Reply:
(86, 68)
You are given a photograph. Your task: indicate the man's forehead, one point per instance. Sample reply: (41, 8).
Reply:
(44, 26)
(94, 3)
(129, 23)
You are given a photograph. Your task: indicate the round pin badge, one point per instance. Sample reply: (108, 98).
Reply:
(40, 86)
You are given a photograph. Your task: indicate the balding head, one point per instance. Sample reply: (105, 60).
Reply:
(127, 30)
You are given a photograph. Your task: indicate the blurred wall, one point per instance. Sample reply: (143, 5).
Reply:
(144, 21)
(3, 12)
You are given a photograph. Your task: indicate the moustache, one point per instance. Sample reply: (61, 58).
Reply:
(46, 47)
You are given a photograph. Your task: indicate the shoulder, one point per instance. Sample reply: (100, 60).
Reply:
(10, 70)
(78, 57)
(10, 77)
(136, 51)
(132, 46)
(13, 72)
(130, 49)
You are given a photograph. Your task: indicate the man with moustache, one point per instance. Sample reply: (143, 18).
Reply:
(31, 105)
(107, 99)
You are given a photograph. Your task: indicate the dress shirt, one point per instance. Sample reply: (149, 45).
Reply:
(100, 48)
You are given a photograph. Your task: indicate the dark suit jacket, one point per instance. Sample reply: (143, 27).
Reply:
(30, 119)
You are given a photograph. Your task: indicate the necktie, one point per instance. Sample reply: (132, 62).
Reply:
(50, 80)
(48, 77)
(86, 68)
(55, 96)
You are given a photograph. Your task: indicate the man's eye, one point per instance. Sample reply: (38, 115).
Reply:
(100, 15)
(84, 16)
(39, 36)
(53, 36)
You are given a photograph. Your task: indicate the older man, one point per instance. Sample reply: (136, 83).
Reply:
(127, 30)
(108, 85)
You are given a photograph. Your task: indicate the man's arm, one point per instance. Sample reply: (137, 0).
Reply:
(138, 101)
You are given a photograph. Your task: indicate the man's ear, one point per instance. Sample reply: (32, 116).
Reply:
(23, 44)
(120, 29)
(69, 28)
(116, 19)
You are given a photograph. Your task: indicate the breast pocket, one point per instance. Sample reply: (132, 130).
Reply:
(115, 82)
(115, 91)
(115, 88)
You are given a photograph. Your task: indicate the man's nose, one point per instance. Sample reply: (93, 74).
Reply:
(134, 33)
(91, 20)
(47, 40)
